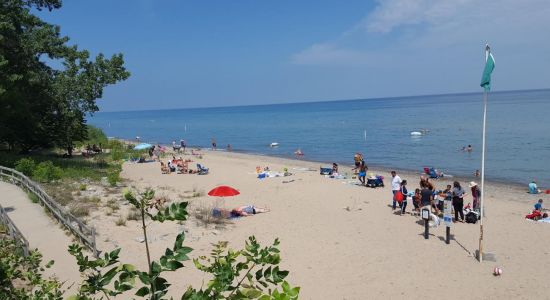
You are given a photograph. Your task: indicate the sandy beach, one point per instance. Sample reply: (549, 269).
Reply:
(340, 240)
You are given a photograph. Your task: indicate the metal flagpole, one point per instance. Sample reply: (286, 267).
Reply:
(480, 252)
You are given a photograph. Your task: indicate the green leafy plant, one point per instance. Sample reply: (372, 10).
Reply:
(46, 171)
(113, 176)
(251, 273)
(25, 166)
(21, 276)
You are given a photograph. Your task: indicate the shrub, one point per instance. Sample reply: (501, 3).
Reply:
(120, 222)
(117, 154)
(82, 187)
(133, 214)
(113, 175)
(203, 215)
(47, 172)
(22, 276)
(113, 205)
(80, 210)
(25, 166)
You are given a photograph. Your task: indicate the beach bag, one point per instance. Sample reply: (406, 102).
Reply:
(471, 217)
(398, 196)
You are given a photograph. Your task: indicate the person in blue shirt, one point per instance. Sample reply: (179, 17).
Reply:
(538, 205)
(533, 189)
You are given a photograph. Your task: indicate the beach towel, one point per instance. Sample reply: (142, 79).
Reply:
(545, 220)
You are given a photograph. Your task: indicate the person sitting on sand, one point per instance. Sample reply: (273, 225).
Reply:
(248, 210)
(164, 169)
(334, 168)
(171, 166)
(533, 189)
(538, 205)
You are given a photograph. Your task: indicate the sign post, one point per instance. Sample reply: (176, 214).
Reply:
(426, 217)
(447, 216)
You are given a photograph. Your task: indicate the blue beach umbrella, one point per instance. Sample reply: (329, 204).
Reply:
(142, 146)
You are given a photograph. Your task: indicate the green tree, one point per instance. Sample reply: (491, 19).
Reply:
(41, 105)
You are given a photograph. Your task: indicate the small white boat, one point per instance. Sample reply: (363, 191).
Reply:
(416, 133)
(274, 144)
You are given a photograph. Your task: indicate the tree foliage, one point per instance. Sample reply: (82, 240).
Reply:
(41, 105)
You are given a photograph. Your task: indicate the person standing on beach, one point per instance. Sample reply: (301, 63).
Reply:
(183, 145)
(458, 201)
(362, 172)
(357, 158)
(426, 197)
(476, 193)
(403, 204)
(425, 181)
(214, 144)
(395, 186)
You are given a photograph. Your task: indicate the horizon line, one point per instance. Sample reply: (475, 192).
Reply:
(323, 101)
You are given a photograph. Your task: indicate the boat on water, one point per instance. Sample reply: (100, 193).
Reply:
(420, 132)
(274, 144)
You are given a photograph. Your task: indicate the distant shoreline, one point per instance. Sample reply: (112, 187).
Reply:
(379, 169)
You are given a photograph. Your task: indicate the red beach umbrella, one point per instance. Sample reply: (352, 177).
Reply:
(223, 191)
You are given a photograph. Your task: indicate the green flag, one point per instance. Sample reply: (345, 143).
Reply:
(489, 66)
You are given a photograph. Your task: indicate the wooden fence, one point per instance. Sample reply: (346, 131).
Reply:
(83, 232)
(13, 231)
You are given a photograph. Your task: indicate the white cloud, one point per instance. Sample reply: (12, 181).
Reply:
(390, 14)
(420, 27)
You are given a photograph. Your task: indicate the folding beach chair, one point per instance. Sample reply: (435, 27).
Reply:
(202, 170)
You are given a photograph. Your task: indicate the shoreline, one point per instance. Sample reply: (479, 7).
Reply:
(381, 168)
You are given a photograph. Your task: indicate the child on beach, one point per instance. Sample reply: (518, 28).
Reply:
(538, 205)
(403, 204)
(416, 200)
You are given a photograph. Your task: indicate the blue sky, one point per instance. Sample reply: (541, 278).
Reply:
(222, 53)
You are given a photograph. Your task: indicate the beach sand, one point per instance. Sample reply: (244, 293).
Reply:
(342, 241)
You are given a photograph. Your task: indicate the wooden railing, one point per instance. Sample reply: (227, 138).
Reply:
(83, 232)
(13, 231)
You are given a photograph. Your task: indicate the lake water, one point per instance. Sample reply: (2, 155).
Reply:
(518, 146)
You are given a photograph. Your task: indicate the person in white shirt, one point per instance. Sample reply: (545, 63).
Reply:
(395, 186)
